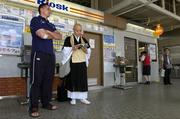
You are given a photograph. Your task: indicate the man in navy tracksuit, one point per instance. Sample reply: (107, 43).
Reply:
(42, 60)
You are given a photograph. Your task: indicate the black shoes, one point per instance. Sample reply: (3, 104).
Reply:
(147, 83)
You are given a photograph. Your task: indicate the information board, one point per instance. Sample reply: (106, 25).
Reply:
(10, 37)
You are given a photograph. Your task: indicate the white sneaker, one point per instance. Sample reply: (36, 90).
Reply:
(85, 101)
(73, 102)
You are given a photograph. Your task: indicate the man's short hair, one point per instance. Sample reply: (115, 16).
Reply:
(166, 49)
(41, 6)
(144, 53)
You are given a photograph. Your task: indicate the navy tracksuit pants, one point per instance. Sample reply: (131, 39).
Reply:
(42, 74)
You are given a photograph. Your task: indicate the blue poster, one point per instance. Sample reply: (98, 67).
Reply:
(10, 37)
(109, 47)
(108, 39)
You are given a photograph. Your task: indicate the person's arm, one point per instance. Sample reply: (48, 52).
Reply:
(84, 50)
(67, 43)
(54, 35)
(40, 31)
(38, 28)
(46, 34)
(43, 34)
(142, 58)
(76, 47)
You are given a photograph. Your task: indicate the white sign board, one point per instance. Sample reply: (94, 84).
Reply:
(152, 51)
(92, 43)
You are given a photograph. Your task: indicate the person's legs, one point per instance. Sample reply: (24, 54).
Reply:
(148, 78)
(166, 77)
(72, 95)
(149, 73)
(47, 83)
(36, 72)
(85, 101)
(146, 72)
(84, 98)
(73, 101)
(79, 87)
(145, 78)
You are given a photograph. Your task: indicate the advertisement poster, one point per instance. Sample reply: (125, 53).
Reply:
(65, 27)
(152, 51)
(10, 38)
(109, 47)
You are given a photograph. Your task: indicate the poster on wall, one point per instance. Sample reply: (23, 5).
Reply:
(152, 52)
(65, 27)
(10, 38)
(109, 47)
(58, 44)
(92, 43)
(1, 8)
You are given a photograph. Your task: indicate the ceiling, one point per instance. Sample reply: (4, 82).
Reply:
(147, 13)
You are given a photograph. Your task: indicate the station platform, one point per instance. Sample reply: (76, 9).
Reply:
(155, 101)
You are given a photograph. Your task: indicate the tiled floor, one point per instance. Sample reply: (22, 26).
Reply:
(142, 102)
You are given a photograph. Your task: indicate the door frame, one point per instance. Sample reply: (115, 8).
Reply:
(101, 57)
(140, 79)
(136, 53)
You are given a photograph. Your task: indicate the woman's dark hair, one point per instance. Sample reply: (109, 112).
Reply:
(41, 6)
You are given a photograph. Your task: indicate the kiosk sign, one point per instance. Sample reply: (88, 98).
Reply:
(67, 8)
(55, 5)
